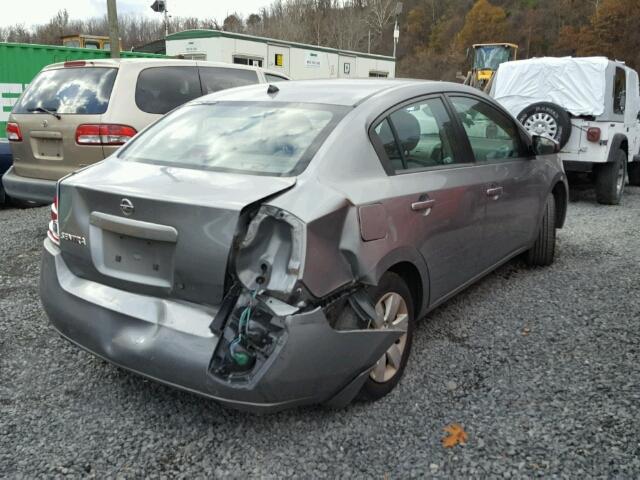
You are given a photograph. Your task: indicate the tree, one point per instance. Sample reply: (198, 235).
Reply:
(233, 23)
(483, 24)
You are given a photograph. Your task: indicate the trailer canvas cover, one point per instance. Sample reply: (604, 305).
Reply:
(576, 84)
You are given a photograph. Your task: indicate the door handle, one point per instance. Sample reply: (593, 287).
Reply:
(495, 192)
(422, 205)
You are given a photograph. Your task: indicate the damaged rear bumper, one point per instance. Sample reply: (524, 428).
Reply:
(171, 342)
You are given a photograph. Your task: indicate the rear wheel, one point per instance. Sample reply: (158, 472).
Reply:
(610, 179)
(394, 309)
(633, 172)
(543, 250)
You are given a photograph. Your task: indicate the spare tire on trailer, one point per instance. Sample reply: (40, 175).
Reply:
(547, 119)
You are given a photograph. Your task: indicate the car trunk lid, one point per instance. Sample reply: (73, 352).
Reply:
(161, 231)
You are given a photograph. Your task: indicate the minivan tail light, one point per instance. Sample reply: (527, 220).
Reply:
(52, 233)
(103, 134)
(13, 132)
(593, 134)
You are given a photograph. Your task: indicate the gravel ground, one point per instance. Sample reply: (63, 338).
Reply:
(539, 366)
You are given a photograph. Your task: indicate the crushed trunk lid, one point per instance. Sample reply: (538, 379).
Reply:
(156, 230)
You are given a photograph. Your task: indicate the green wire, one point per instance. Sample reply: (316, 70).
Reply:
(243, 324)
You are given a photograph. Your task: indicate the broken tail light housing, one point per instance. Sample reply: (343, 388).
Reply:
(53, 233)
(271, 254)
(104, 134)
(593, 134)
(13, 132)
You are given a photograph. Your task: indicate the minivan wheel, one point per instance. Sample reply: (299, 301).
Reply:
(394, 306)
(543, 250)
(610, 179)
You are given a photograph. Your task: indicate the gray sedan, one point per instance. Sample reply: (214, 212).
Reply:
(273, 246)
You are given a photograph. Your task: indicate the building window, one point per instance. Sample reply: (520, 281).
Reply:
(245, 60)
(279, 60)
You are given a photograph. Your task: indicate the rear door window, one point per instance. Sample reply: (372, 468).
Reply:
(77, 90)
(215, 79)
(161, 89)
(418, 136)
(388, 141)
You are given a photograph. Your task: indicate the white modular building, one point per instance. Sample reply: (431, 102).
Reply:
(298, 61)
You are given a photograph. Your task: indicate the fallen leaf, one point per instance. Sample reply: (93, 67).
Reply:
(456, 435)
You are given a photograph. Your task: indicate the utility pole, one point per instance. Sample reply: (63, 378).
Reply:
(396, 29)
(166, 19)
(114, 35)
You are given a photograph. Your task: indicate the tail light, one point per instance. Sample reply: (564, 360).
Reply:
(593, 134)
(13, 132)
(53, 233)
(103, 134)
(75, 63)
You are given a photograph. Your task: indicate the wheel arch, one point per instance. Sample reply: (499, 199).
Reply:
(561, 196)
(409, 264)
(411, 276)
(618, 142)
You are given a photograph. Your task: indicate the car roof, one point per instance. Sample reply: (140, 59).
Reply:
(158, 62)
(331, 92)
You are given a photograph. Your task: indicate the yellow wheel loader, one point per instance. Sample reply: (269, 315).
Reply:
(486, 59)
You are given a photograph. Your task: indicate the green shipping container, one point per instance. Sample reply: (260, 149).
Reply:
(21, 62)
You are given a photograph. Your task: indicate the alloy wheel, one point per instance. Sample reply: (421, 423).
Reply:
(392, 312)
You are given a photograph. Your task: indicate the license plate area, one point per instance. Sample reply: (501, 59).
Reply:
(47, 148)
(139, 260)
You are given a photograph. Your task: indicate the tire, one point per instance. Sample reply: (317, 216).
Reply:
(610, 179)
(633, 173)
(542, 252)
(390, 283)
(546, 118)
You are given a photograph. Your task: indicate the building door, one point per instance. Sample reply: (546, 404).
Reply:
(347, 67)
(278, 59)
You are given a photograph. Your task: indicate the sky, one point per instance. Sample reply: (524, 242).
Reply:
(30, 12)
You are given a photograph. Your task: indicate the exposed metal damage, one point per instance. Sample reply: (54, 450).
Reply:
(267, 303)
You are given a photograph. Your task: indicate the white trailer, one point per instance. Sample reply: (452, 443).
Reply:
(298, 61)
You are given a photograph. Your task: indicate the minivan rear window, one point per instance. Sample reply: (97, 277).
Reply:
(78, 90)
(264, 138)
(161, 89)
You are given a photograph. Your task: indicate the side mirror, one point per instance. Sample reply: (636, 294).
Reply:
(545, 145)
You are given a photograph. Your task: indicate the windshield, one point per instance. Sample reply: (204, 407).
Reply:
(265, 138)
(490, 58)
(77, 90)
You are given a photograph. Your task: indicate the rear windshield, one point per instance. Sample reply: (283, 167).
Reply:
(78, 90)
(264, 138)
